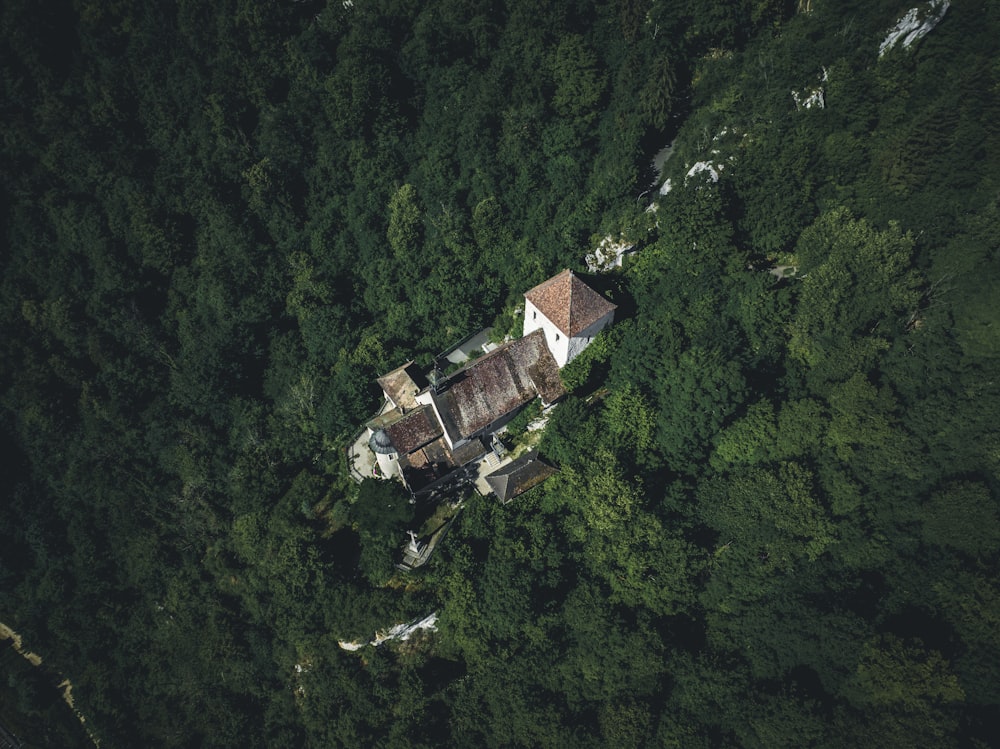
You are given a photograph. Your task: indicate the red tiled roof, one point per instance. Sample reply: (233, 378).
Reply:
(569, 303)
(414, 430)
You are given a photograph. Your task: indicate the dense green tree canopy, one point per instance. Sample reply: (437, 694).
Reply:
(775, 521)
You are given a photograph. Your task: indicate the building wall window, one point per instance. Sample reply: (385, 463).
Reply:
(557, 336)
(534, 315)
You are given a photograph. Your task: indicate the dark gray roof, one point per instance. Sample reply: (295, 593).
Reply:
(519, 476)
(379, 442)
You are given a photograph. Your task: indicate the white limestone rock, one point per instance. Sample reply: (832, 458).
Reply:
(813, 97)
(914, 25)
(808, 100)
(707, 167)
(608, 255)
(400, 632)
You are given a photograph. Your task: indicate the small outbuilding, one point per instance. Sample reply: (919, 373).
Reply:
(519, 476)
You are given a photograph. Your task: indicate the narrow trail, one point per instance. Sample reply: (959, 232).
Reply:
(6, 633)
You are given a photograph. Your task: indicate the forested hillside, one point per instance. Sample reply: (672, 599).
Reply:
(776, 521)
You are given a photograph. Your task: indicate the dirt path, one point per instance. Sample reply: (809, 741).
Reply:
(6, 633)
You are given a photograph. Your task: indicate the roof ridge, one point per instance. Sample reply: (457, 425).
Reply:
(573, 311)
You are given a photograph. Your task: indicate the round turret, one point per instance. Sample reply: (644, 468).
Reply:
(380, 443)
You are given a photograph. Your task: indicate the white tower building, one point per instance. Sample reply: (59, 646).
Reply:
(569, 312)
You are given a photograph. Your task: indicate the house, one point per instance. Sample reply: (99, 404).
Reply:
(569, 312)
(517, 477)
(431, 432)
(428, 432)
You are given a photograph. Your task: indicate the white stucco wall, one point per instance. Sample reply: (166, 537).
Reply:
(557, 342)
(387, 464)
(580, 342)
(563, 349)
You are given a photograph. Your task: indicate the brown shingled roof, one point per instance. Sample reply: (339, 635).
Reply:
(498, 384)
(434, 461)
(569, 303)
(544, 375)
(414, 430)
